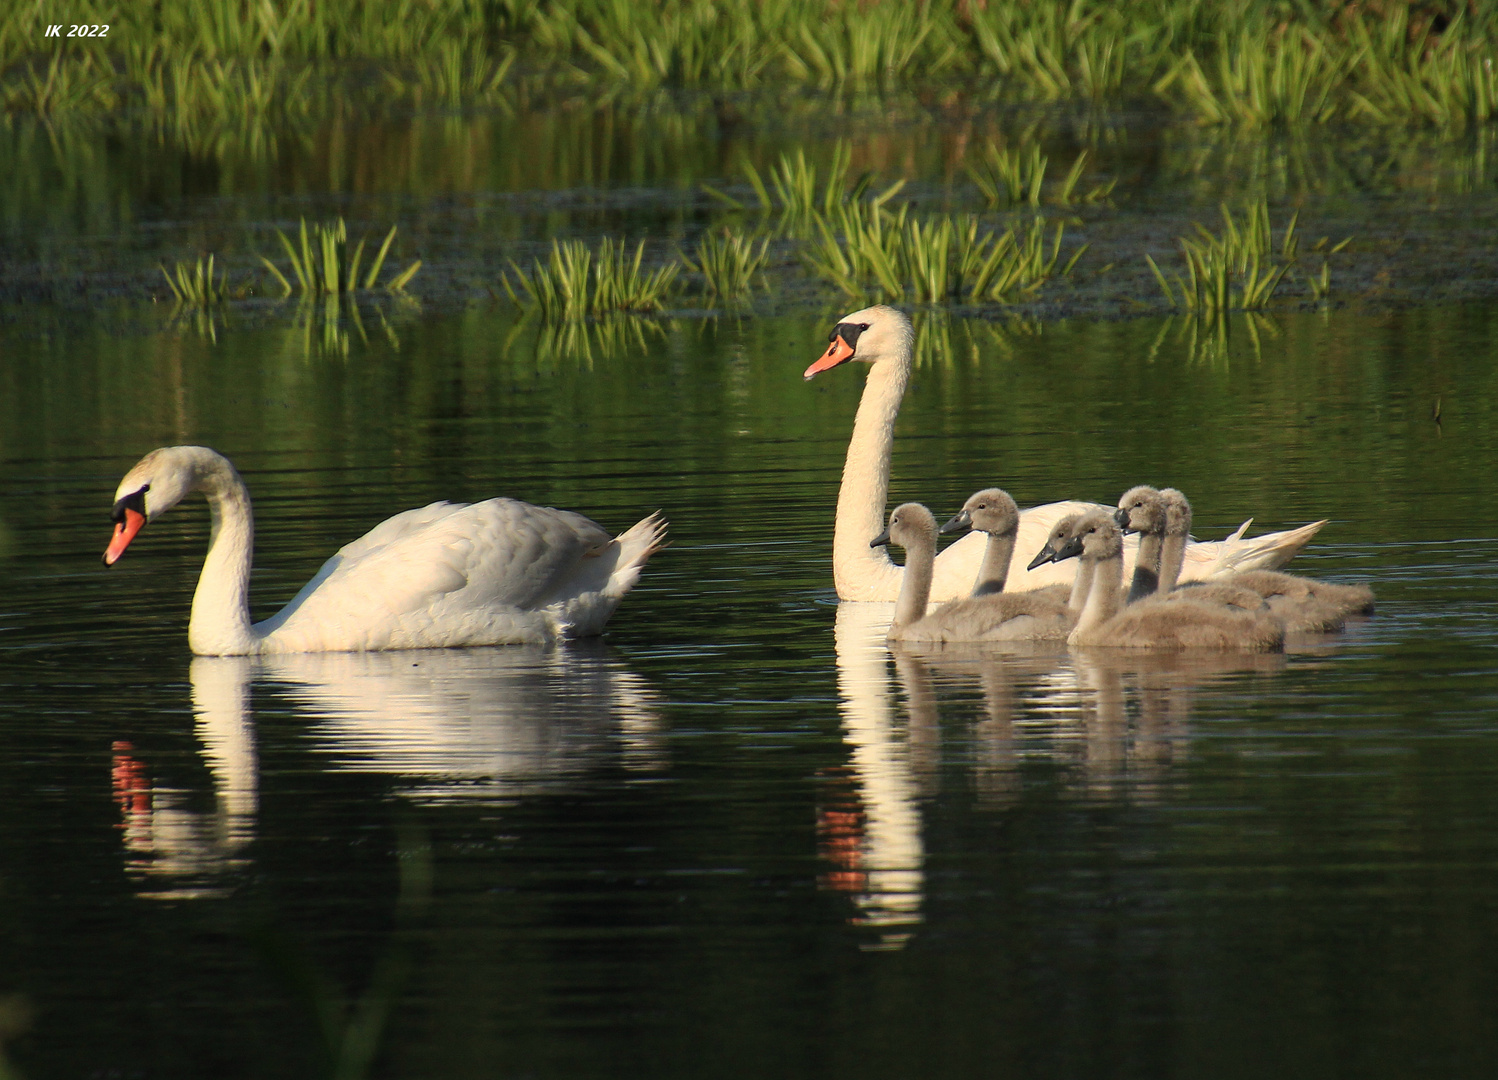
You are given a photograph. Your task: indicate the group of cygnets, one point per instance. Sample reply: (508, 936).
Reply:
(1248, 611)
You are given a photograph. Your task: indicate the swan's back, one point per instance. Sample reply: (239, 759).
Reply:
(494, 572)
(1224, 593)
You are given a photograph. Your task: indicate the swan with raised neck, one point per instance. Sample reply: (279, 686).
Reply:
(884, 339)
(444, 575)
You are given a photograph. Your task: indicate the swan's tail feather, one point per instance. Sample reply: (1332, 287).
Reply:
(1267, 552)
(636, 544)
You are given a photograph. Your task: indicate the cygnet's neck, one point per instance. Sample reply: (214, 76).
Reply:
(1172, 556)
(1103, 598)
(996, 557)
(1146, 579)
(915, 587)
(1081, 585)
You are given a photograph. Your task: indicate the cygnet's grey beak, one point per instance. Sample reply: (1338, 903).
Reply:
(961, 521)
(882, 540)
(1122, 517)
(1043, 556)
(1070, 550)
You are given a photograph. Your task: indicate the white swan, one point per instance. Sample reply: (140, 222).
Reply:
(884, 339)
(498, 572)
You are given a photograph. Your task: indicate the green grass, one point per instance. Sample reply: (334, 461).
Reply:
(873, 254)
(1260, 79)
(1008, 178)
(454, 75)
(577, 282)
(729, 263)
(323, 264)
(575, 341)
(194, 285)
(798, 195)
(1268, 63)
(1236, 269)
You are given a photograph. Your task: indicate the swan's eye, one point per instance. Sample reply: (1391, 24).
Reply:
(136, 501)
(863, 326)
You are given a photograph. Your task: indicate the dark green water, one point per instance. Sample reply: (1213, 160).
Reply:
(736, 836)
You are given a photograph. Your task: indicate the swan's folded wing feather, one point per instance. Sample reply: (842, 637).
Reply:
(385, 533)
(505, 552)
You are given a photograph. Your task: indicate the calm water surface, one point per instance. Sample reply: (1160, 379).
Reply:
(737, 836)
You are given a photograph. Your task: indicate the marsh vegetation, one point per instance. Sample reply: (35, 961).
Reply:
(1287, 62)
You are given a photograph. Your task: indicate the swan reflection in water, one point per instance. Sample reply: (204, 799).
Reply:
(1119, 716)
(470, 724)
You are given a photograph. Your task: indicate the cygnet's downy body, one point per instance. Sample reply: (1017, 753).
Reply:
(1303, 604)
(994, 617)
(1153, 623)
(1144, 510)
(993, 512)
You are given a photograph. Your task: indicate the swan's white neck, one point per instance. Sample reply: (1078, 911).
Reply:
(915, 587)
(220, 624)
(1103, 598)
(857, 569)
(996, 558)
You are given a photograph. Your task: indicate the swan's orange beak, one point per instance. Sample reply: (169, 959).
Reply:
(124, 532)
(838, 352)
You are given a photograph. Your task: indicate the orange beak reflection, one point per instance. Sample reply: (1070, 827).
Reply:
(124, 532)
(838, 352)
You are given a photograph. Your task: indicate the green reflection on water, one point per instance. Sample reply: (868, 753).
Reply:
(1185, 888)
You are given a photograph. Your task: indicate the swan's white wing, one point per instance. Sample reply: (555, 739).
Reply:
(448, 561)
(503, 550)
(389, 531)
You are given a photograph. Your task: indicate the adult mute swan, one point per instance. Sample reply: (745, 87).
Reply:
(884, 339)
(497, 572)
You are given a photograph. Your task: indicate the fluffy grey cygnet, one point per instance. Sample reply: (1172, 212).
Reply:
(1302, 603)
(1154, 623)
(1038, 616)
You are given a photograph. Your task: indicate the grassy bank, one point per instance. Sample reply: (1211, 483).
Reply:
(1266, 63)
